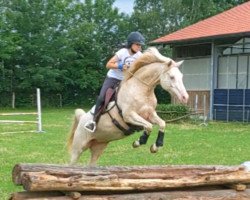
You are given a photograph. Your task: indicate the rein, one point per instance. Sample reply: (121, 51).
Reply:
(138, 79)
(142, 81)
(131, 128)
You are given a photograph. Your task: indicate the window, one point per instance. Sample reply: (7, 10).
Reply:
(197, 73)
(191, 51)
(233, 72)
(240, 47)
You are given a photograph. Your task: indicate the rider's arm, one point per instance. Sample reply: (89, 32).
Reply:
(112, 63)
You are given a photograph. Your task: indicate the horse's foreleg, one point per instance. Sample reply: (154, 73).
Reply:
(136, 119)
(142, 140)
(96, 149)
(159, 141)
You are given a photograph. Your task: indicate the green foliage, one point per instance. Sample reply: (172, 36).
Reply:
(158, 18)
(196, 10)
(62, 46)
(162, 96)
(58, 46)
(173, 111)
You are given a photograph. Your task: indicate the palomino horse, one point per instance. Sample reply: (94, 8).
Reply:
(135, 105)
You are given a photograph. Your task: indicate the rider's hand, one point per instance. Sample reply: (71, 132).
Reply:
(125, 67)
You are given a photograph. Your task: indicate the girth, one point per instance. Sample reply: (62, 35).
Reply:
(109, 96)
(131, 127)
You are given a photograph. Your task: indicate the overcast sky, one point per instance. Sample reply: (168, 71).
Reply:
(125, 6)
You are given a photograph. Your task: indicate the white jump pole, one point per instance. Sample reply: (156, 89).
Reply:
(39, 112)
(196, 103)
(204, 110)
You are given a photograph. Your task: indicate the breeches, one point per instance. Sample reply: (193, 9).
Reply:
(108, 83)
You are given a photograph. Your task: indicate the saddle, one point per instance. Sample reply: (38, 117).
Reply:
(109, 97)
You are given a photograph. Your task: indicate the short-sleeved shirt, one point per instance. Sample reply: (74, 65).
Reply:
(124, 57)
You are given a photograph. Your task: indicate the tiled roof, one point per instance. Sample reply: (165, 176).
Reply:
(231, 22)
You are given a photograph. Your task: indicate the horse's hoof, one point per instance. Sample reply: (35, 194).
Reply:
(136, 144)
(153, 148)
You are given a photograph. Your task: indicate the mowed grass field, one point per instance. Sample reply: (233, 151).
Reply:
(185, 143)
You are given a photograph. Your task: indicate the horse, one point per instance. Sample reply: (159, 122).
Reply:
(134, 106)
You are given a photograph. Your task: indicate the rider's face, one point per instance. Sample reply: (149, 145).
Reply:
(136, 47)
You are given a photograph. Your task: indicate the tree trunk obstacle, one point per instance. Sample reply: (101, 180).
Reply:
(47, 181)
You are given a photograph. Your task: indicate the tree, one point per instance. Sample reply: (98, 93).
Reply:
(159, 17)
(59, 46)
(40, 28)
(9, 45)
(96, 33)
(63, 46)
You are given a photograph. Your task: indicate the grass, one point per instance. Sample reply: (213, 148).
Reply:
(185, 143)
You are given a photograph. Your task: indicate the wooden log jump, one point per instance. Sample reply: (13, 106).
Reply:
(53, 178)
(163, 195)
(137, 182)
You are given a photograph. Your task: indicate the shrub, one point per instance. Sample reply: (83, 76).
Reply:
(169, 112)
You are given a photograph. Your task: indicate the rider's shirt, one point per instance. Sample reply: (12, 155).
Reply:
(124, 57)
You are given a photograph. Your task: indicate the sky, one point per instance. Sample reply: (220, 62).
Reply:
(125, 6)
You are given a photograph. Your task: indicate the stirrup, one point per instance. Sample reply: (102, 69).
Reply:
(90, 126)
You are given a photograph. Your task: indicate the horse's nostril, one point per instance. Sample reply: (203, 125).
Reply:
(185, 98)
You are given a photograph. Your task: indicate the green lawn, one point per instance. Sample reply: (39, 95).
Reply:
(185, 143)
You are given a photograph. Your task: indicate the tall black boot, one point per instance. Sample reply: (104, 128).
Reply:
(91, 125)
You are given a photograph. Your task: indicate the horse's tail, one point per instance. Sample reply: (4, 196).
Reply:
(78, 114)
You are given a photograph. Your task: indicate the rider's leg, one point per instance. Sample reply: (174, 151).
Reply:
(108, 83)
(91, 125)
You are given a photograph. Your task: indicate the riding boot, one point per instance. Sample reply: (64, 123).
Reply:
(91, 125)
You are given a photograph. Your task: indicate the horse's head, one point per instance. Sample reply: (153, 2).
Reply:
(171, 80)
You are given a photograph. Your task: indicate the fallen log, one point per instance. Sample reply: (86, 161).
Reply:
(131, 171)
(20, 169)
(136, 178)
(162, 195)
(35, 195)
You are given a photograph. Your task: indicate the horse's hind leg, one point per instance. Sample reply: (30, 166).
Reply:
(80, 144)
(142, 140)
(96, 149)
(76, 153)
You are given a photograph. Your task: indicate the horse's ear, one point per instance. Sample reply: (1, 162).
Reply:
(178, 64)
(169, 63)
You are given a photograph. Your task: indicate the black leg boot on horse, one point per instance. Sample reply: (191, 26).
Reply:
(91, 125)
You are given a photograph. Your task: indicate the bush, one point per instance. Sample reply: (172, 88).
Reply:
(172, 111)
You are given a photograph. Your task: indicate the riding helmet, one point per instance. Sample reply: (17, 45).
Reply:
(135, 37)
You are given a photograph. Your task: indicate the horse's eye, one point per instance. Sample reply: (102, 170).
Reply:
(172, 77)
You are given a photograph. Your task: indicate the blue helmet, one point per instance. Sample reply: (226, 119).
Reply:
(135, 37)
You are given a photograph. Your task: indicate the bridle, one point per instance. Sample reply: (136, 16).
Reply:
(133, 75)
(142, 81)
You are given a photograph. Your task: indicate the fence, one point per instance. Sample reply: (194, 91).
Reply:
(232, 105)
(38, 114)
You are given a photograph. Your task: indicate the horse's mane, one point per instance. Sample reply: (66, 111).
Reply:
(151, 55)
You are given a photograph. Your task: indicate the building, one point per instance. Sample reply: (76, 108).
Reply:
(217, 62)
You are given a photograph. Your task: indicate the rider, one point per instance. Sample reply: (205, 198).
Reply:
(119, 62)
